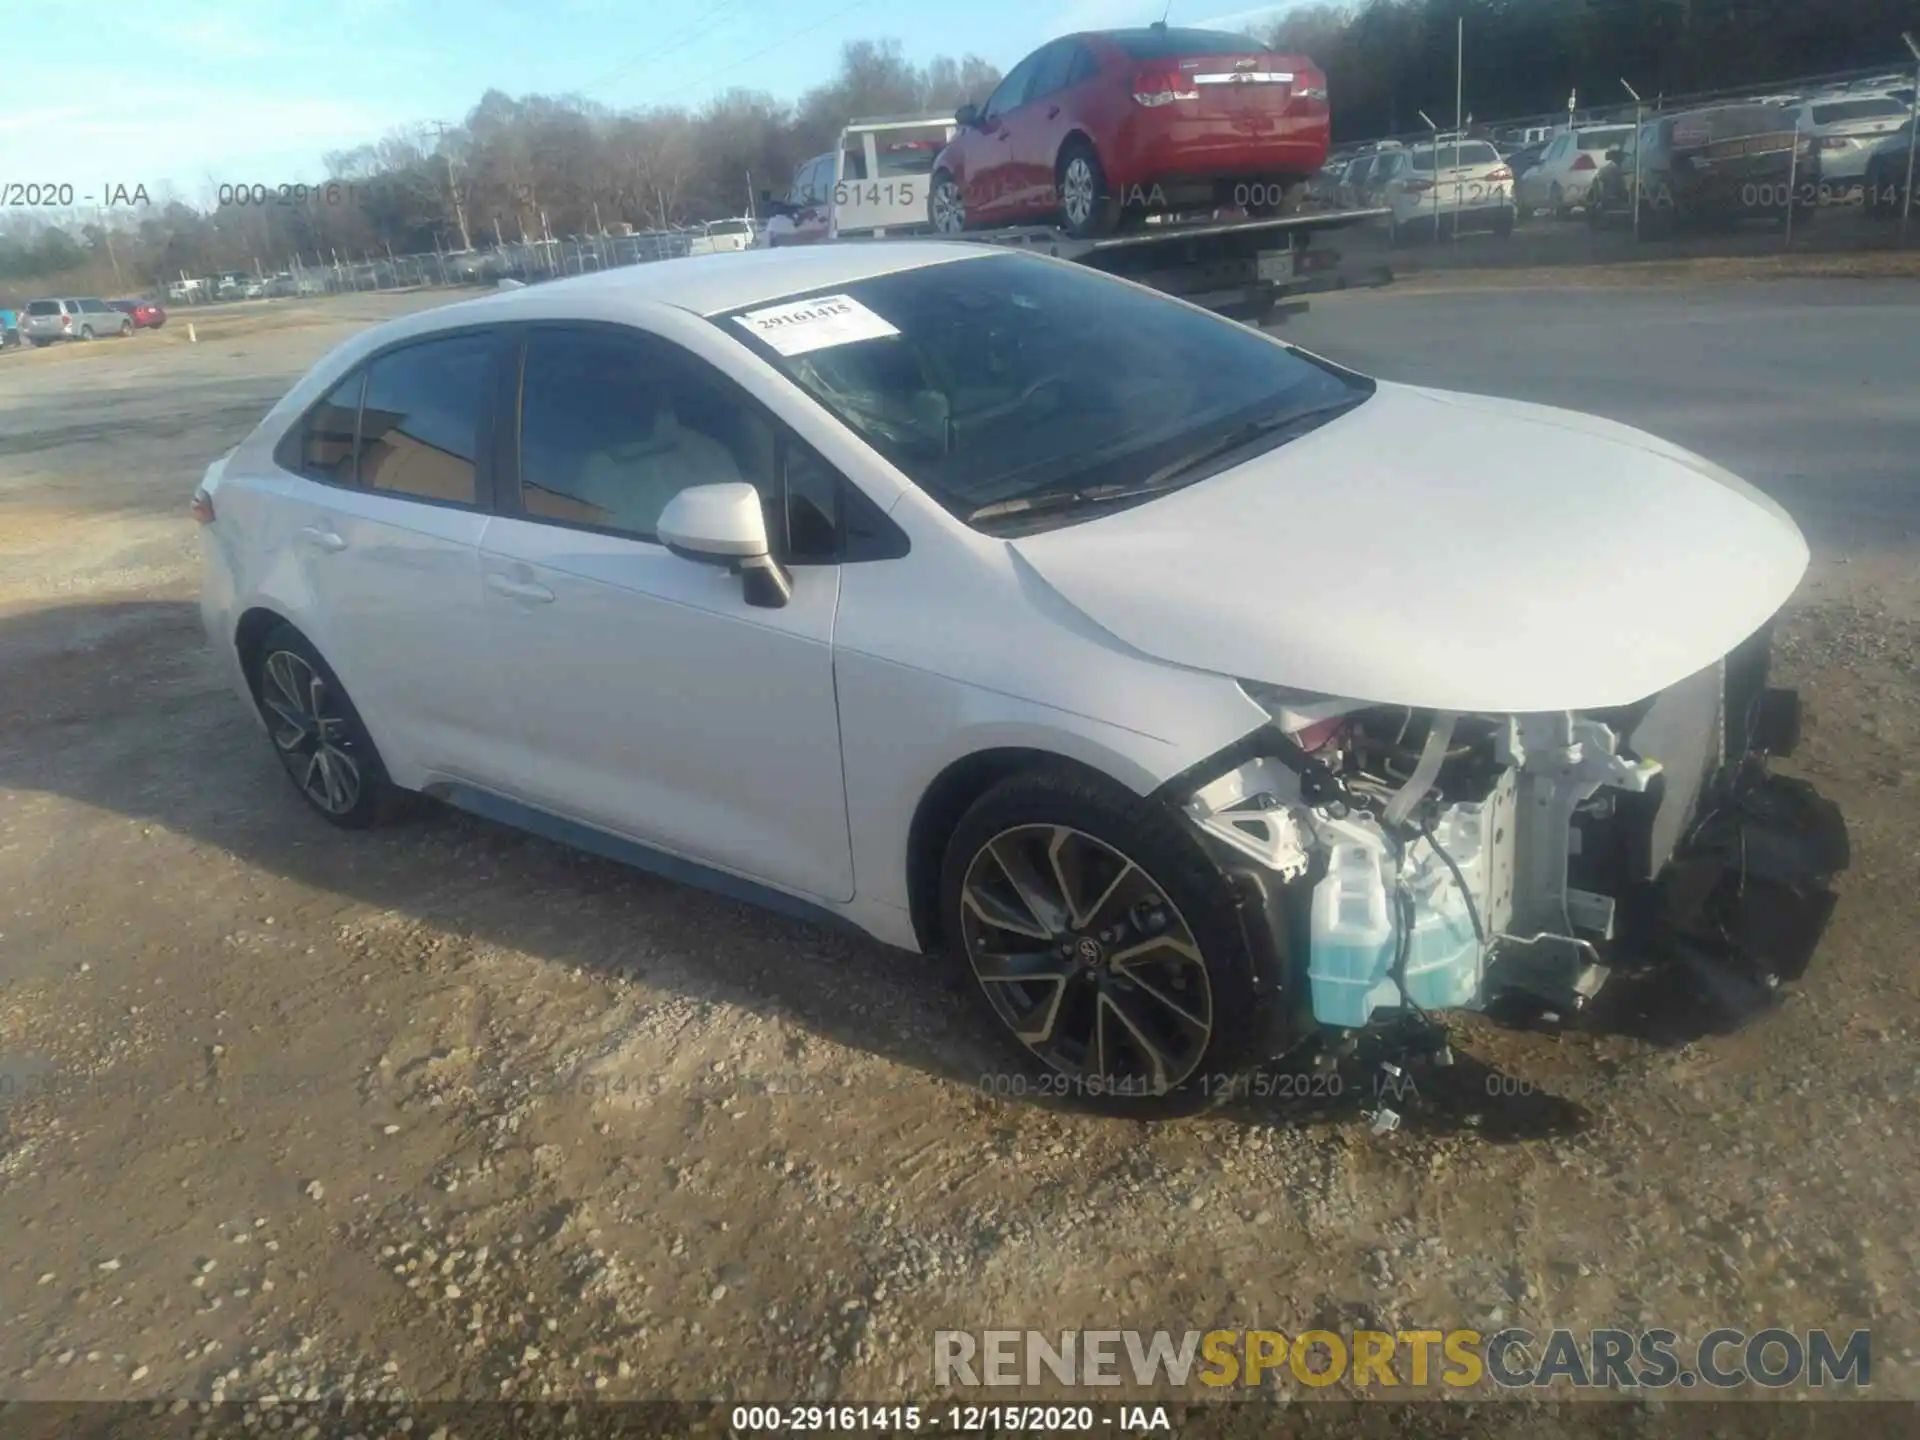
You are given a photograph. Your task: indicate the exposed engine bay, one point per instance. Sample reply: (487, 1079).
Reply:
(1422, 861)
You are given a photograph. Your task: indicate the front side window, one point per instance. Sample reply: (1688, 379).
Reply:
(1051, 73)
(1007, 378)
(420, 418)
(1012, 91)
(613, 426)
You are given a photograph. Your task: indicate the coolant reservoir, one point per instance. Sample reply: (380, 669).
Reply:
(1353, 935)
(1355, 926)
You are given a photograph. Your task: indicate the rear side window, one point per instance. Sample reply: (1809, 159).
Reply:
(1875, 109)
(420, 418)
(322, 448)
(1605, 139)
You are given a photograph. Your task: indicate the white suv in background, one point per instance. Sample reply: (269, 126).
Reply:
(1560, 179)
(1435, 187)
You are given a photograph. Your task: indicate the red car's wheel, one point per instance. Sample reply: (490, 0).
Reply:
(1088, 207)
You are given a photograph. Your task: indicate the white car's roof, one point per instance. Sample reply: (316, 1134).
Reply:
(711, 284)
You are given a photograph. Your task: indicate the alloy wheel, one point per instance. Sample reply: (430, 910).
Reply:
(310, 733)
(1085, 958)
(1076, 190)
(949, 209)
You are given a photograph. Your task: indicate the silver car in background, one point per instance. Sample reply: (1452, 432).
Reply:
(1845, 128)
(87, 319)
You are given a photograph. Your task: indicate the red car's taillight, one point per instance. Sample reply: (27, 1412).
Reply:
(1582, 161)
(1309, 85)
(1160, 86)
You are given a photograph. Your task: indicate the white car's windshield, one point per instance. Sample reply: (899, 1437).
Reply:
(1008, 377)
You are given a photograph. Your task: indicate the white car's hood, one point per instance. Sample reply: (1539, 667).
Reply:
(1453, 552)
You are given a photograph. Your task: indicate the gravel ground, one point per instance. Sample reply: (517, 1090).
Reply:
(445, 1111)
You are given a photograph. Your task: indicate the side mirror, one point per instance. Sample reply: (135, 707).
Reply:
(726, 525)
(1614, 157)
(967, 116)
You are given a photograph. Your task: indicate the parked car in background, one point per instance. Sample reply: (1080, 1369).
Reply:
(804, 215)
(86, 319)
(1361, 187)
(1565, 171)
(1523, 158)
(9, 329)
(1100, 129)
(1884, 181)
(718, 237)
(1435, 188)
(1713, 166)
(145, 314)
(1844, 129)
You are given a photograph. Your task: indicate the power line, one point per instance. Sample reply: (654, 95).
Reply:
(679, 40)
(777, 45)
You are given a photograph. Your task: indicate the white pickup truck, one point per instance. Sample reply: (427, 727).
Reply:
(873, 183)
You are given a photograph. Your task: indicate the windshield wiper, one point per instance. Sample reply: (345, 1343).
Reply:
(1168, 476)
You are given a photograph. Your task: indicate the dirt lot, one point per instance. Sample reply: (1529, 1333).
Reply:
(444, 1111)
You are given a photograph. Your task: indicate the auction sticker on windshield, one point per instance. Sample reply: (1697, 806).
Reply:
(803, 325)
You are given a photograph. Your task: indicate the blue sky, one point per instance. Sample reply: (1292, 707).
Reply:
(211, 92)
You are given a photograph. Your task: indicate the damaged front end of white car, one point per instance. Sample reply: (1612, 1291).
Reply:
(1640, 863)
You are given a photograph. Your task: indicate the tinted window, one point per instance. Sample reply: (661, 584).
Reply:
(44, 307)
(1085, 66)
(1172, 44)
(1875, 109)
(1471, 152)
(323, 445)
(1735, 122)
(1051, 73)
(420, 418)
(909, 157)
(612, 427)
(1605, 139)
(1013, 90)
(1010, 375)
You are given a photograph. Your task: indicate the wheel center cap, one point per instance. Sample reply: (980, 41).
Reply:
(1089, 951)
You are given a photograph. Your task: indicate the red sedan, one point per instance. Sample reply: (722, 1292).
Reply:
(1096, 130)
(146, 314)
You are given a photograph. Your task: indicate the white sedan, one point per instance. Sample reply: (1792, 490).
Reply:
(1008, 610)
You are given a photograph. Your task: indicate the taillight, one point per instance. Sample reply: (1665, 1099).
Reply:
(1499, 176)
(1582, 161)
(1418, 187)
(1835, 142)
(66, 322)
(1311, 85)
(202, 506)
(1160, 87)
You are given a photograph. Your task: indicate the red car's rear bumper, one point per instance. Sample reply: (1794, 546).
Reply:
(1164, 145)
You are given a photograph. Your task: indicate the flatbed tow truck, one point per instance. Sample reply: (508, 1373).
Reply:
(1256, 270)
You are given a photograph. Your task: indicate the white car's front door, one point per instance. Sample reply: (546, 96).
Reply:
(653, 700)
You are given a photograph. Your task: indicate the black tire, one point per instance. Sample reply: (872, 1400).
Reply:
(1169, 908)
(41, 344)
(126, 328)
(1088, 209)
(287, 655)
(946, 205)
(86, 332)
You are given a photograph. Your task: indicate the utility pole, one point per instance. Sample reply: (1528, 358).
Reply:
(1639, 110)
(106, 234)
(1913, 137)
(453, 186)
